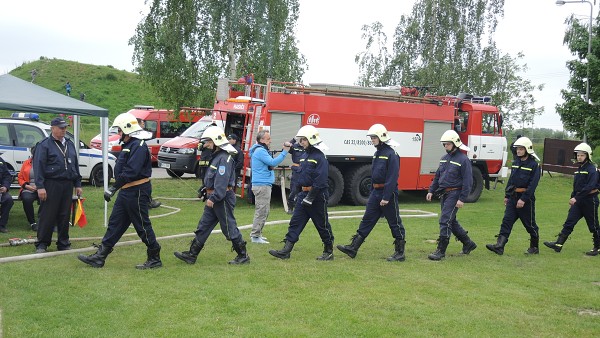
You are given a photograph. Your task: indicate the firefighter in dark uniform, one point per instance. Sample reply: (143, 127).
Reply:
(452, 183)
(297, 152)
(132, 176)
(383, 200)
(220, 199)
(6, 201)
(56, 173)
(583, 202)
(311, 202)
(519, 198)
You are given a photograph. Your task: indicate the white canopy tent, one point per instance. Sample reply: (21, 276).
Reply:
(23, 96)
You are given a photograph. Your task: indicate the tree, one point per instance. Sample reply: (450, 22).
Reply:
(183, 46)
(448, 46)
(577, 115)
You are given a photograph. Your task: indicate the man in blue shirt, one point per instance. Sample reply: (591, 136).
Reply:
(452, 183)
(262, 164)
(383, 199)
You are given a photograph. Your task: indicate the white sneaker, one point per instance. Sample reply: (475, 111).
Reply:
(259, 240)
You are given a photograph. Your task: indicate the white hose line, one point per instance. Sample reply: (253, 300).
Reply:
(243, 227)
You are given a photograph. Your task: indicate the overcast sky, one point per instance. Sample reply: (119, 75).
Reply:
(97, 32)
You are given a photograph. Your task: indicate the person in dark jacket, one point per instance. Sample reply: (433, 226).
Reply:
(383, 199)
(297, 152)
(452, 183)
(132, 177)
(519, 198)
(311, 202)
(583, 202)
(56, 174)
(220, 199)
(6, 201)
(234, 140)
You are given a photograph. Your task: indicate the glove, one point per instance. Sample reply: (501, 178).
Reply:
(109, 193)
(293, 141)
(202, 194)
(308, 200)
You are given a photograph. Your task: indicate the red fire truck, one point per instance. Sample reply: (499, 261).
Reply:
(343, 114)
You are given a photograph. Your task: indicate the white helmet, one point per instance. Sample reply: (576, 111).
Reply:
(452, 136)
(217, 135)
(312, 135)
(526, 143)
(127, 123)
(381, 132)
(584, 147)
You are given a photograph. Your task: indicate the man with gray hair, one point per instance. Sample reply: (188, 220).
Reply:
(262, 164)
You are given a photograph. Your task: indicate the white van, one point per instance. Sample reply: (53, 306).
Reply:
(17, 136)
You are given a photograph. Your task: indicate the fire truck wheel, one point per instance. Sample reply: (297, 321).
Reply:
(174, 173)
(358, 185)
(477, 186)
(336, 186)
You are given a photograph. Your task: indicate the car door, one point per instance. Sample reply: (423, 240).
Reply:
(6, 145)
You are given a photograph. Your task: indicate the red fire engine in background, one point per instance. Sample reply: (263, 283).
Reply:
(343, 114)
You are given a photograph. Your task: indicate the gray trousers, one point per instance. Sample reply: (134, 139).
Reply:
(262, 203)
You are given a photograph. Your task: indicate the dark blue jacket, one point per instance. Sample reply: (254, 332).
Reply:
(454, 172)
(5, 176)
(220, 174)
(384, 170)
(314, 170)
(53, 161)
(133, 162)
(297, 152)
(524, 174)
(585, 180)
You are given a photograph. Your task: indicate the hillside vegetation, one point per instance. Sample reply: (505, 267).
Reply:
(103, 86)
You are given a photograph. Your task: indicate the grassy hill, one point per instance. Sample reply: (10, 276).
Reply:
(103, 86)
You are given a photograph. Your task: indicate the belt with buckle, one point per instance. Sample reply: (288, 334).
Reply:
(378, 185)
(306, 188)
(295, 164)
(452, 189)
(593, 191)
(211, 190)
(519, 190)
(134, 183)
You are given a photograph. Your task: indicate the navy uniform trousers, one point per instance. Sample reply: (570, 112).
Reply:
(526, 214)
(448, 223)
(222, 213)
(131, 207)
(374, 211)
(587, 208)
(317, 213)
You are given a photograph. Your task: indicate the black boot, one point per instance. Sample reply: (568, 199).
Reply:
(153, 260)
(557, 246)
(285, 252)
(327, 253)
(154, 204)
(441, 249)
(534, 249)
(596, 249)
(398, 255)
(242, 256)
(96, 260)
(191, 255)
(498, 248)
(468, 244)
(352, 248)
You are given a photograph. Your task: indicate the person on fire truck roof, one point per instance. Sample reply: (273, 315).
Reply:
(219, 183)
(452, 184)
(519, 198)
(383, 199)
(584, 200)
(311, 202)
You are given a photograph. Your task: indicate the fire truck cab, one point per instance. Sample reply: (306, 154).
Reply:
(343, 114)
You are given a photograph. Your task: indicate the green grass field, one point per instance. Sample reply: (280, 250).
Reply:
(477, 295)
